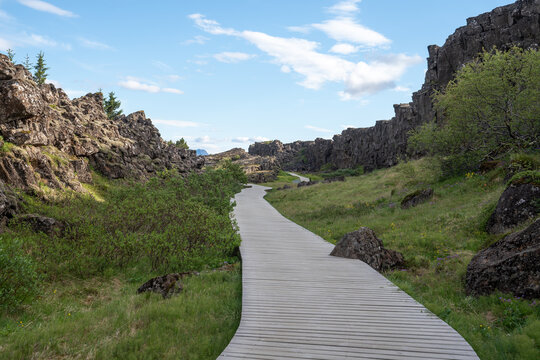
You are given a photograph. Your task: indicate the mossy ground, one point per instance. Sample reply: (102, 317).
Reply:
(437, 238)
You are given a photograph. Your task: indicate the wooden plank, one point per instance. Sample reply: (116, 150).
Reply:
(300, 303)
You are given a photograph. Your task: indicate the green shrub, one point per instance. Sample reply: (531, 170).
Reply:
(490, 109)
(357, 171)
(18, 276)
(168, 223)
(523, 161)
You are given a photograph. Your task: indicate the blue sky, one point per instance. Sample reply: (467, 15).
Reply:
(224, 74)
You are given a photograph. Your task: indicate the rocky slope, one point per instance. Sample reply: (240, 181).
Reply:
(258, 168)
(382, 145)
(51, 141)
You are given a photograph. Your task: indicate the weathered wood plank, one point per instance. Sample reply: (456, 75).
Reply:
(300, 303)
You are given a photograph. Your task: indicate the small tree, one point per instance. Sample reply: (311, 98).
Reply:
(111, 106)
(10, 54)
(27, 64)
(489, 109)
(182, 144)
(40, 73)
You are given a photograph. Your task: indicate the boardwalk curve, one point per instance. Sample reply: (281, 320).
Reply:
(300, 177)
(300, 303)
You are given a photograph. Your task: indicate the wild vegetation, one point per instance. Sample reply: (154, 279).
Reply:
(437, 238)
(490, 109)
(71, 293)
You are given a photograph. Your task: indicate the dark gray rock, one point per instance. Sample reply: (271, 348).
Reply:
(518, 203)
(43, 224)
(9, 204)
(416, 198)
(166, 285)
(307, 183)
(364, 245)
(512, 265)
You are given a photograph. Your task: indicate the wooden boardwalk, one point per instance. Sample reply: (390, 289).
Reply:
(300, 303)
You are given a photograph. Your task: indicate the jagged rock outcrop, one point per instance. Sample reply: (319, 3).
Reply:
(364, 245)
(50, 140)
(43, 224)
(259, 169)
(382, 145)
(510, 265)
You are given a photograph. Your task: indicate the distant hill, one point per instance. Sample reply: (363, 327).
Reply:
(201, 152)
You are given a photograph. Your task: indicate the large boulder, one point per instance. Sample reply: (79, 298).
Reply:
(518, 203)
(512, 265)
(43, 224)
(416, 198)
(364, 245)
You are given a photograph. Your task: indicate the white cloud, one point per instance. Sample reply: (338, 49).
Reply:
(173, 77)
(302, 57)
(210, 26)
(132, 83)
(176, 123)
(344, 49)
(318, 129)
(54, 82)
(94, 44)
(345, 7)
(5, 16)
(285, 69)
(46, 7)
(400, 88)
(199, 39)
(204, 140)
(37, 41)
(172, 91)
(74, 93)
(346, 29)
(5, 44)
(245, 139)
(232, 57)
(162, 66)
(300, 29)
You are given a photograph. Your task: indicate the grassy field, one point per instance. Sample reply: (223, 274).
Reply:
(71, 294)
(103, 318)
(437, 239)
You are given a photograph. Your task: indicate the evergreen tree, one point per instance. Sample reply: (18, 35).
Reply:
(10, 54)
(111, 106)
(40, 73)
(182, 144)
(27, 64)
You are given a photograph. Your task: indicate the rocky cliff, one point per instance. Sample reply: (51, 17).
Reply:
(382, 145)
(50, 140)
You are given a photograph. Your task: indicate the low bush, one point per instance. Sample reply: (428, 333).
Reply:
(168, 223)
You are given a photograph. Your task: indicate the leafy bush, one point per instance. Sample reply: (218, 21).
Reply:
(490, 109)
(523, 161)
(18, 276)
(168, 223)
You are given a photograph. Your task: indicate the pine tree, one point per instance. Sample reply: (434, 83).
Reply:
(27, 64)
(10, 54)
(111, 106)
(40, 75)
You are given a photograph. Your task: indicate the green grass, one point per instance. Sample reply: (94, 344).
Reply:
(283, 178)
(117, 236)
(437, 239)
(104, 318)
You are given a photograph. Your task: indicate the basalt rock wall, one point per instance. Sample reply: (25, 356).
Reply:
(50, 140)
(382, 145)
